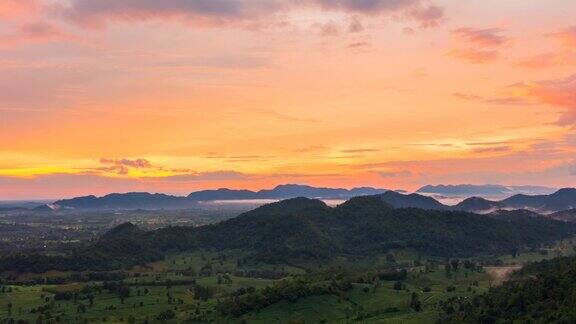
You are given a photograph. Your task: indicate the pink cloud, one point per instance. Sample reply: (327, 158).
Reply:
(35, 32)
(466, 96)
(11, 8)
(482, 45)
(566, 36)
(560, 93)
(489, 37)
(547, 60)
(432, 16)
(219, 12)
(476, 56)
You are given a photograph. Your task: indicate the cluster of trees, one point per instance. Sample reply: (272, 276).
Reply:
(543, 292)
(247, 300)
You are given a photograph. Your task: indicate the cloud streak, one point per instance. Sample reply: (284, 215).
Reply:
(489, 37)
(219, 12)
(558, 93)
(566, 36)
(481, 45)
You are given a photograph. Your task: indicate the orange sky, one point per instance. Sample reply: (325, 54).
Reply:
(173, 96)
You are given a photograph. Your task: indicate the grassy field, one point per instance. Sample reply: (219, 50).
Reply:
(379, 303)
(189, 286)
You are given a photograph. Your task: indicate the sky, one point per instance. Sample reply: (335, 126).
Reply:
(174, 96)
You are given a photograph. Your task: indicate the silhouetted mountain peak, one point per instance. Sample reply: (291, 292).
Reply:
(290, 206)
(398, 200)
(374, 202)
(478, 204)
(565, 192)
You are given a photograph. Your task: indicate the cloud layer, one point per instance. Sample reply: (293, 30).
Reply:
(219, 12)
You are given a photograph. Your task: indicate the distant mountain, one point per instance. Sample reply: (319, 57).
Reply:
(144, 200)
(222, 194)
(284, 192)
(478, 205)
(467, 190)
(304, 230)
(132, 200)
(12, 209)
(398, 200)
(562, 199)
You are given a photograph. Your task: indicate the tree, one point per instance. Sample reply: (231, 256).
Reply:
(398, 285)
(415, 303)
(166, 315)
(455, 263)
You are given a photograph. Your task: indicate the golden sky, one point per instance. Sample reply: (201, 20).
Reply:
(98, 96)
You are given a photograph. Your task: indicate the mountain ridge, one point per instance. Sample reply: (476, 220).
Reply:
(561, 200)
(303, 229)
(149, 200)
(484, 190)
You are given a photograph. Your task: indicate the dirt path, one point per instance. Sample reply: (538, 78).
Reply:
(500, 274)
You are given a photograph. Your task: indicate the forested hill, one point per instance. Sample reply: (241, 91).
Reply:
(542, 292)
(307, 229)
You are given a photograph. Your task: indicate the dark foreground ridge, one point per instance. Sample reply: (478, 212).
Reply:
(302, 229)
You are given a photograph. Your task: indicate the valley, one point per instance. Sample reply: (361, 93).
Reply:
(294, 261)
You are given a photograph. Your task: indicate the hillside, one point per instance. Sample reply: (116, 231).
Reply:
(543, 292)
(303, 229)
(565, 215)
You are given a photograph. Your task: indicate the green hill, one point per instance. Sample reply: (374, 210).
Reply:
(304, 229)
(542, 292)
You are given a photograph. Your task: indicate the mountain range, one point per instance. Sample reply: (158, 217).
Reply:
(467, 190)
(307, 230)
(561, 200)
(146, 200)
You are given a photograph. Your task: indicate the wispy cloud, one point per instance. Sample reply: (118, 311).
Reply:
(222, 12)
(478, 46)
(559, 93)
(489, 37)
(504, 101)
(35, 32)
(427, 17)
(547, 60)
(476, 56)
(566, 36)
